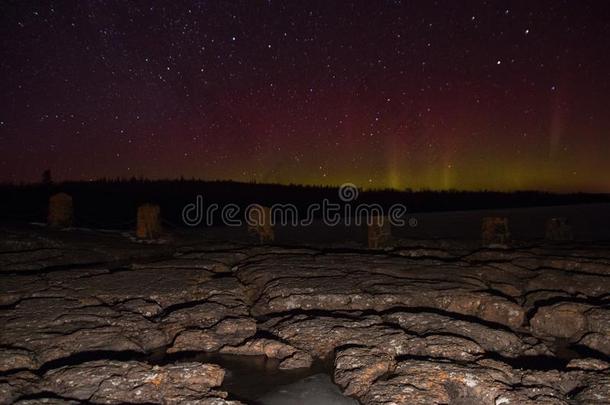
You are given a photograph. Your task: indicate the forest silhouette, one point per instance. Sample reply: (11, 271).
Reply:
(112, 203)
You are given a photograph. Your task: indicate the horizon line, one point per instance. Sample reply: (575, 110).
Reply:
(118, 179)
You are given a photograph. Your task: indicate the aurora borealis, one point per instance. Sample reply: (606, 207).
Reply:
(499, 95)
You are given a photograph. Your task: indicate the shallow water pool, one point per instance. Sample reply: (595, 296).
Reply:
(259, 380)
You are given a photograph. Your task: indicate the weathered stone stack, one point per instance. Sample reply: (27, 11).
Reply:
(494, 231)
(261, 224)
(379, 233)
(61, 211)
(558, 229)
(149, 222)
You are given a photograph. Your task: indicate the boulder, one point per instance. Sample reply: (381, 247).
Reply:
(148, 222)
(494, 231)
(261, 224)
(558, 229)
(61, 211)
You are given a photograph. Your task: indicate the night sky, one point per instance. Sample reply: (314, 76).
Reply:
(420, 94)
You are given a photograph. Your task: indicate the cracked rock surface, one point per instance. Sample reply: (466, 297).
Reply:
(92, 317)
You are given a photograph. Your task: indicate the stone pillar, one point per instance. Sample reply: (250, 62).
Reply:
(494, 231)
(149, 222)
(61, 211)
(379, 233)
(558, 229)
(262, 224)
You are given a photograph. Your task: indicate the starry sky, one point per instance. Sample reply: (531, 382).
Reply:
(500, 95)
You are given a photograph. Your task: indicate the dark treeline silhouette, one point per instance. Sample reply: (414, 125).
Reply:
(113, 203)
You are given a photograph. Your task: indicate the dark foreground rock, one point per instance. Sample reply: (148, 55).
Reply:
(85, 317)
(114, 382)
(375, 380)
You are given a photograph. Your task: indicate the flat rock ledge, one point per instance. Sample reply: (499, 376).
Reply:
(96, 318)
(109, 382)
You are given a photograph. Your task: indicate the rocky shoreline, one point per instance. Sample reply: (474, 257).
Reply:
(425, 322)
